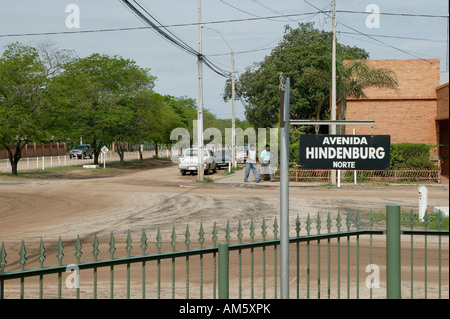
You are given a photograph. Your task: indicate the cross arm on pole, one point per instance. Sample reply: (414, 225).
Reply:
(325, 122)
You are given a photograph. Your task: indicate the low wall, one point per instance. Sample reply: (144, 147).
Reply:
(36, 150)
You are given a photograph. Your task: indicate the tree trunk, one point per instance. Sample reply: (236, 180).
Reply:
(141, 155)
(14, 158)
(97, 149)
(120, 150)
(319, 108)
(156, 150)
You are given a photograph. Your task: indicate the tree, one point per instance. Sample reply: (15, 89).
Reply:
(351, 79)
(24, 113)
(94, 95)
(299, 49)
(155, 119)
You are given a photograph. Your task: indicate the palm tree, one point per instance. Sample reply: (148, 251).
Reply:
(352, 78)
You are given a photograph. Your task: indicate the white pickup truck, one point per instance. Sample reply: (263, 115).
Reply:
(189, 162)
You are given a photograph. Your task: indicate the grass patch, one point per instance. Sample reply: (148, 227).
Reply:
(111, 169)
(233, 170)
(405, 220)
(62, 169)
(205, 180)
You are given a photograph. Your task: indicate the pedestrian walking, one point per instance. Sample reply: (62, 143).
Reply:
(250, 164)
(265, 162)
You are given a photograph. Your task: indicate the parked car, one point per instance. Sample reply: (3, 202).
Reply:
(223, 158)
(82, 151)
(189, 162)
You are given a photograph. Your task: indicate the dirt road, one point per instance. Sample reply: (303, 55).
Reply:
(74, 204)
(78, 203)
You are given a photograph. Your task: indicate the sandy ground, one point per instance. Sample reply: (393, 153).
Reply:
(80, 204)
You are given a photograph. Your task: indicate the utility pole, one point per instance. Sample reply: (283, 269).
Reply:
(200, 170)
(233, 100)
(233, 120)
(333, 85)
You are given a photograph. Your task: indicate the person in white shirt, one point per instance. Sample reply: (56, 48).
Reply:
(265, 162)
(250, 164)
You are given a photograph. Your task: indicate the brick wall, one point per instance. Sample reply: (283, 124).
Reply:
(442, 102)
(407, 113)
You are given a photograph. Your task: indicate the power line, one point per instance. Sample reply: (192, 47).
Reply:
(371, 37)
(165, 26)
(395, 14)
(397, 37)
(162, 30)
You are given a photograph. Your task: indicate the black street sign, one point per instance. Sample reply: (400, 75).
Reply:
(345, 152)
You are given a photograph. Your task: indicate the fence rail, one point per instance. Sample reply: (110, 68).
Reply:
(391, 176)
(326, 263)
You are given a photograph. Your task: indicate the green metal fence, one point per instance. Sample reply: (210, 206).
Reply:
(347, 256)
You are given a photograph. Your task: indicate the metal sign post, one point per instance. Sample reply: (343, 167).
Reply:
(284, 186)
(104, 151)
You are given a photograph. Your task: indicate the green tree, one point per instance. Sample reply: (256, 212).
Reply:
(300, 48)
(24, 113)
(351, 80)
(94, 96)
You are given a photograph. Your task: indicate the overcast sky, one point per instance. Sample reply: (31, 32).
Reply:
(243, 25)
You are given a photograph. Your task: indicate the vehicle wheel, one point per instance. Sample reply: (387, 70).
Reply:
(207, 171)
(183, 173)
(215, 169)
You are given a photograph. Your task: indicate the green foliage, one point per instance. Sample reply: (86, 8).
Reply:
(300, 48)
(411, 156)
(233, 170)
(24, 113)
(205, 180)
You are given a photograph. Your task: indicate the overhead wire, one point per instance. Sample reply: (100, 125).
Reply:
(371, 37)
(157, 26)
(149, 27)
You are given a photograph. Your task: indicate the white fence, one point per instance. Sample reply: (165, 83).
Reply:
(46, 162)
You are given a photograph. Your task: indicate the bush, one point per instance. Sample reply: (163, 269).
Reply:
(411, 156)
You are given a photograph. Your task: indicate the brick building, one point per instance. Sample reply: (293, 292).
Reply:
(416, 111)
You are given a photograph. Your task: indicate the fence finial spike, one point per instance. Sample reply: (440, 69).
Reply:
(41, 252)
(60, 253)
(329, 222)
(275, 228)
(95, 245)
(112, 243)
(143, 241)
(227, 232)
(252, 231)
(201, 235)
(318, 224)
(214, 235)
(297, 225)
(264, 229)
(78, 247)
(308, 224)
(2, 258)
(22, 255)
(174, 238)
(339, 221)
(158, 240)
(240, 234)
(129, 247)
(187, 237)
